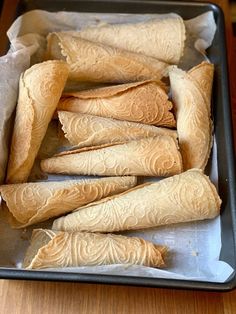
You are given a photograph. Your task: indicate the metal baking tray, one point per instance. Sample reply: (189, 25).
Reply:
(223, 132)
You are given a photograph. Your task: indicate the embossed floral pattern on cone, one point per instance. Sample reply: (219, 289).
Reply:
(182, 198)
(94, 62)
(29, 203)
(191, 92)
(152, 156)
(144, 102)
(159, 38)
(50, 249)
(86, 130)
(39, 92)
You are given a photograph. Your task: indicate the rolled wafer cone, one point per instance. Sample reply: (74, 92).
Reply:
(144, 102)
(186, 197)
(39, 92)
(191, 92)
(86, 130)
(94, 62)
(153, 156)
(56, 249)
(29, 203)
(159, 38)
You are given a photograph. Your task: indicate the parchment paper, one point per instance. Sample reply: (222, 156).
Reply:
(194, 247)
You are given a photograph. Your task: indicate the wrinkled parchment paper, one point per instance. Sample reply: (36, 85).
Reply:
(194, 248)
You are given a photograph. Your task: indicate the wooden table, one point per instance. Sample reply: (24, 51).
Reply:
(26, 297)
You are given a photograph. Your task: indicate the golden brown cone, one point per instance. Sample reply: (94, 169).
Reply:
(186, 197)
(191, 92)
(93, 62)
(29, 203)
(112, 90)
(86, 130)
(53, 249)
(159, 38)
(143, 102)
(153, 156)
(203, 74)
(39, 92)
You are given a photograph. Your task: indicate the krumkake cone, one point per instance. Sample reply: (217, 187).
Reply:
(94, 62)
(86, 130)
(159, 38)
(144, 102)
(40, 89)
(153, 156)
(29, 203)
(55, 249)
(182, 198)
(191, 92)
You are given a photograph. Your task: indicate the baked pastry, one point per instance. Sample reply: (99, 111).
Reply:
(85, 130)
(152, 156)
(54, 249)
(191, 92)
(182, 198)
(39, 92)
(29, 203)
(159, 38)
(92, 61)
(144, 102)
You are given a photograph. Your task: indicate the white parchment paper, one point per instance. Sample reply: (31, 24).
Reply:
(194, 248)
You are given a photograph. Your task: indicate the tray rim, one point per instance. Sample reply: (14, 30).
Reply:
(21, 274)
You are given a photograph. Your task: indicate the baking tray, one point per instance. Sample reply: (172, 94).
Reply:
(223, 132)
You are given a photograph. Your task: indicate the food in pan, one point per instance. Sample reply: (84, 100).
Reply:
(159, 38)
(54, 249)
(29, 203)
(152, 156)
(40, 89)
(94, 62)
(191, 92)
(86, 130)
(144, 102)
(113, 132)
(182, 198)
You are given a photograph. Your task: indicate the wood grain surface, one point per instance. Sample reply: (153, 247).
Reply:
(43, 297)
(26, 297)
